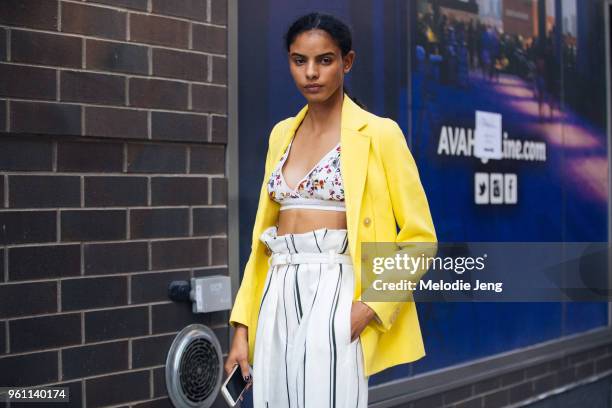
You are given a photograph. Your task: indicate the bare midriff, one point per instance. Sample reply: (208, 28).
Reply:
(298, 220)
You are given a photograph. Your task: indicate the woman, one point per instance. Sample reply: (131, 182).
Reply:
(335, 176)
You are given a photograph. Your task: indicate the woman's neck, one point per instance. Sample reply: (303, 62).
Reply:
(324, 116)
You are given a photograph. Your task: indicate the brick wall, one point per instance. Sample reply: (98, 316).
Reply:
(113, 128)
(528, 384)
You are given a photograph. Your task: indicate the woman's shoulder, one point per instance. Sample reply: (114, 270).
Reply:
(375, 123)
(279, 129)
(382, 128)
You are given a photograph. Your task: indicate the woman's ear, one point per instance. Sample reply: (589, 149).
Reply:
(347, 61)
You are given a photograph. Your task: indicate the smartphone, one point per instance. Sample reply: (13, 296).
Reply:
(235, 386)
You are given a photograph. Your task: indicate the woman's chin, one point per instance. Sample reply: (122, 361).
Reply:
(319, 96)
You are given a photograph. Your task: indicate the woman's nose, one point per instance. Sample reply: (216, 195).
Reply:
(311, 70)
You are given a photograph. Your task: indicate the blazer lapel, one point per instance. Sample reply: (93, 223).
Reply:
(354, 154)
(355, 147)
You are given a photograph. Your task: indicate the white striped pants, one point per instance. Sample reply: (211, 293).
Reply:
(304, 357)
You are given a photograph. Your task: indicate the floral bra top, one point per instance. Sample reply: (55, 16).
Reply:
(320, 189)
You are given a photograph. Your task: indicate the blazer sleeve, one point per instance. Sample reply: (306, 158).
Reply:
(410, 207)
(243, 304)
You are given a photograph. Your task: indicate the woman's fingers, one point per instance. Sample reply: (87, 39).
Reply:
(244, 367)
(229, 366)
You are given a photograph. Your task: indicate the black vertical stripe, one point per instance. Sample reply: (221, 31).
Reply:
(297, 292)
(293, 243)
(263, 298)
(344, 244)
(333, 350)
(286, 335)
(298, 313)
(306, 342)
(288, 249)
(330, 355)
(316, 241)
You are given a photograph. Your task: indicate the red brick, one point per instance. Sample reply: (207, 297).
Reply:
(159, 30)
(93, 225)
(113, 122)
(177, 253)
(87, 361)
(178, 64)
(87, 156)
(29, 13)
(2, 128)
(218, 9)
(45, 332)
(131, 4)
(109, 191)
(179, 126)
(26, 227)
(207, 98)
(219, 129)
(48, 49)
(173, 191)
(92, 20)
(27, 82)
(2, 44)
(51, 118)
(219, 191)
(127, 387)
(209, 39)
(24, 154)
(44, 191)
(28, 369)
(190, 9)
(90, 87)
(207, 159)
(159, 223)
(219, 70)
(219, 250)
(156, 158)
(114, 56)
(209, 221)
(156, 93)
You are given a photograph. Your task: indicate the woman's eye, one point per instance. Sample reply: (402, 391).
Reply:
(326, 60)
(299, 61)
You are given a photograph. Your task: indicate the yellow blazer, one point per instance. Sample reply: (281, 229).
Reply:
(382, 187)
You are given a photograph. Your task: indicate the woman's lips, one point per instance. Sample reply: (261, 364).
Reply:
(313, 89)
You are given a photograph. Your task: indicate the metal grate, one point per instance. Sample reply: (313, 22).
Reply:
(194, 368)
(199, 369)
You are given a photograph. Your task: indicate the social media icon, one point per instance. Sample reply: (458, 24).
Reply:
(496, 185)
(481, 188)
(510, 188)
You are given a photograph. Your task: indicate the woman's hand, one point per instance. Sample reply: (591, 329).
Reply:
(361, 314)
(239, 353)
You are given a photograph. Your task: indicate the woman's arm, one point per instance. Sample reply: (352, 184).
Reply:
(244, 298)
(410, 206)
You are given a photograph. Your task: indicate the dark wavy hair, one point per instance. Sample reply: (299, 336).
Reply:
(336, 28)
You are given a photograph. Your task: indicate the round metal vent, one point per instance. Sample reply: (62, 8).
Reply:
(194, 367)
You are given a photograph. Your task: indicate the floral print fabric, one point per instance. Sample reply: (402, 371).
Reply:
(323, 182)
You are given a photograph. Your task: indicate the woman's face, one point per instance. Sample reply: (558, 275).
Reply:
(315, 59)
